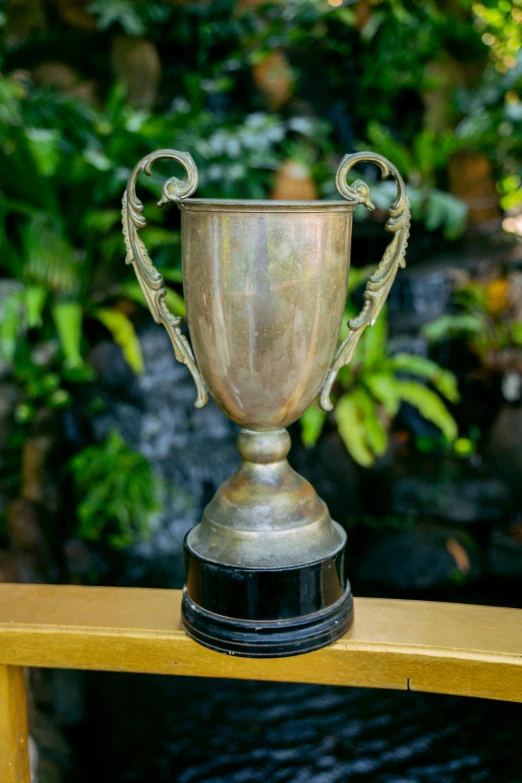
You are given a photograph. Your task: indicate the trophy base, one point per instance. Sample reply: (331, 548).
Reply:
(266, 613)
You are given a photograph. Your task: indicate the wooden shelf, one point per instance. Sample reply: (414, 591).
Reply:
(415, 645)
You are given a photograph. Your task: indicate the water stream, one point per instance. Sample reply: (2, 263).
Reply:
(184, 730)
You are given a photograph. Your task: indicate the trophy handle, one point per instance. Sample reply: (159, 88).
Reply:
(379, 284)
(150, 280)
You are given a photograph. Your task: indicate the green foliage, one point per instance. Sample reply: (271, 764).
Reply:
(123, 334)
(429, 405)
(351, 424)
(450, 326)
(45, 383)
(47, 220)
(68, 319)
(10, 323)
(116, 491)
(487, 319)
(132, 18)
(65, 162)
(312, 423)
(371, 390)
(430, 153)
(443, 380)
(501, 26)
(356, 81)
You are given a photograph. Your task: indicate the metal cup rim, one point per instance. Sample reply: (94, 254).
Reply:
(263, 205)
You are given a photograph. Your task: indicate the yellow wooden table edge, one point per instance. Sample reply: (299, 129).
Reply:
(416, 645)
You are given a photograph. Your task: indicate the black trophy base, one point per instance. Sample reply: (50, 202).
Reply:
(266, 613)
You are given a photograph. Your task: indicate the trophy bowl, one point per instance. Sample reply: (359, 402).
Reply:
(265, 285)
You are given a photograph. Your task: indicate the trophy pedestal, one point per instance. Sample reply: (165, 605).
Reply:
(265, 567)
(265, 613)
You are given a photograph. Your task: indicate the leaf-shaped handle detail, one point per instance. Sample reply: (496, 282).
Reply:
(150, 280)
(379, 284)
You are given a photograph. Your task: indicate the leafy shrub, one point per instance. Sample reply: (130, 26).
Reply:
(117, 493)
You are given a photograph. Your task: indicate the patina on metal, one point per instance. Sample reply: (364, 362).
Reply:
(265, 285)
(150, 280)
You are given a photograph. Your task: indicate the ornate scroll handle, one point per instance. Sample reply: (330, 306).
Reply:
(150, 280)
(379, 284)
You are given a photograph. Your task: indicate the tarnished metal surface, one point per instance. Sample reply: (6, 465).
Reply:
(266, 515)
(379, 284)
(265, 285)
(265, 289)
(150, 280)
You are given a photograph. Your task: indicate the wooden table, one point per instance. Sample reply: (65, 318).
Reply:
(406, 645)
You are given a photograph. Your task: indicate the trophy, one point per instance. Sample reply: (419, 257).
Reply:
(265, 285)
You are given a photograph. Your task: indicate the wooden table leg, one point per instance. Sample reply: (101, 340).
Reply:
(14, 746)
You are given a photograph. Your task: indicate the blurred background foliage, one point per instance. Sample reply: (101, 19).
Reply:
(267, 97)
(104, 463)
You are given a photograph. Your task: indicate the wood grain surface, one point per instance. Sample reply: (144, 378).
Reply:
(14, 750)
(416, 645)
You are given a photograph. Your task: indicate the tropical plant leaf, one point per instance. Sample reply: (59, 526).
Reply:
(124, 335)
(429, 405)
(351, 430)
(444, 381)
(382, 386)
(431, 151)
(312, 423)
(516, 333)
(451, 326)
(110, 11)
(68, 317)
(101, 220)
(372, 26)
(401, 14)
(10, 324)
(382, 141)
(44, 145)
(358, 276)
(35, 297)
(446, 211)
(175, 303)
(375, 342)
(375, 431)
(131, 290)
(116, 490)
(49, 258)
(172, 275)
(157, 237)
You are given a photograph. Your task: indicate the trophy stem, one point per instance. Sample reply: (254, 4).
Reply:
(265, 567)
